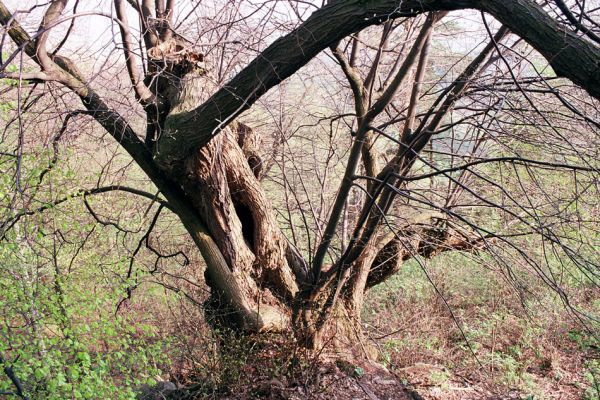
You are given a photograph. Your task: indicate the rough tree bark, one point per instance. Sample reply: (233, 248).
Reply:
(221, 182)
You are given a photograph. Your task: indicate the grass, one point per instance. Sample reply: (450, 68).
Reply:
(495, 341)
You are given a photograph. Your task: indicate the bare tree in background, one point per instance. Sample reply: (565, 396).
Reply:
(414, 178)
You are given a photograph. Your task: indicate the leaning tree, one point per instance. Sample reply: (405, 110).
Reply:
(183, 131)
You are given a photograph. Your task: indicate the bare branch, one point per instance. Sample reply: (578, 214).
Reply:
(356, 84)
(8, 224)
(68, 33)
(52, 14)
(26, 76)
(142, 93)
(289, 53)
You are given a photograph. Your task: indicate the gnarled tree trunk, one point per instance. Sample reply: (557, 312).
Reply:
(256, 281)
(254, 286)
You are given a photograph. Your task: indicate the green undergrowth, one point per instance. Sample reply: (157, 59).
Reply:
(484, 330)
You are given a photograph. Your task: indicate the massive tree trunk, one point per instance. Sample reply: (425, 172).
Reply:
(258, 283)
(253, 284)
(256, 277)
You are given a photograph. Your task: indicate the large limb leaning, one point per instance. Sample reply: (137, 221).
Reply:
(288, 54)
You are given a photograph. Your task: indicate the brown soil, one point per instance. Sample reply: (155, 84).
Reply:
(332, 380)
(339, 381)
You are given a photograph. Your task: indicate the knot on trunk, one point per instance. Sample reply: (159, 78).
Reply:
(250, 141)
(177, 58)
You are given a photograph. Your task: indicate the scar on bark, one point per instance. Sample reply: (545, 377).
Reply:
(169, 62)
(247, 220)
(248, 140)
(179, 58)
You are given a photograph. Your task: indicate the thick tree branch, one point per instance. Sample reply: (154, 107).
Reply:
(142, 93)
(150, 36)
(361, 104)
(425, 240)
(167, 33)
(145, 12)
(69, 31)
(339, 19)
(415, 94)
(354, 79)
(387, 29)
(51, 15)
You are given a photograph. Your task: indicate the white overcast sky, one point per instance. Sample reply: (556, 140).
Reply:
(96, 30)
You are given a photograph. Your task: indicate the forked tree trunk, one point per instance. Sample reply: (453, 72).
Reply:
(253, 285)
(330, 319)
(258, 282)
(254, 275)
